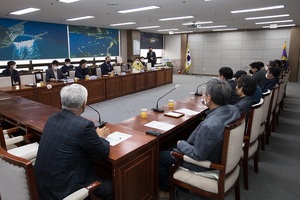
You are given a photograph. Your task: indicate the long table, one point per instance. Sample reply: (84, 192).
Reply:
(133, 163)
(99, 89)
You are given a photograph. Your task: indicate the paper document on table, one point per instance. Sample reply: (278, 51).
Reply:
(187, 112)
(117, 137)
(160, 125)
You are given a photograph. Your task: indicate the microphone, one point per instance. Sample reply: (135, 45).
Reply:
(160, 109)
(197, 93)
(101, 123)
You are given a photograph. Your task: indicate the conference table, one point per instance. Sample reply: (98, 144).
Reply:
(99, 88)
(132, 164)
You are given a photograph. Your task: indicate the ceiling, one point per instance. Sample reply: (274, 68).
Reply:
(217, 11)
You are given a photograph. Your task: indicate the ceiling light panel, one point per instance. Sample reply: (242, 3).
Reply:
(258, 9)
(68, 1)
(80, 18)
(138, 9)
(176, 18)
(267, 17)
(275, 22)
(123, 24)
(148, 27)
(24, 11)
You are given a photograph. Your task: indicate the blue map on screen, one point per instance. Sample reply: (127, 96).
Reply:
(27, 40)
(93, 42)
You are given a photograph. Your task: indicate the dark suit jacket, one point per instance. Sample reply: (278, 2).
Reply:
(244, 104)
(63, 163)
(270, 83)
(50, 74)
(81, 73)
(150, 55)
(260, 77)
(106, 68)
(233, 96)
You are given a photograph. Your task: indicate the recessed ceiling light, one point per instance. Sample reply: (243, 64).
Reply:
(196, 23)
(122, 24)
(258, 9)
(208, 27)
(275, 22)
(225, 29)
(176, 18)
(171, 29)
(80, 18)
(278, 26)
(178, 32)
(138, 9)
(147, 27)
(68, 1)
(24, 11)
(267, 17)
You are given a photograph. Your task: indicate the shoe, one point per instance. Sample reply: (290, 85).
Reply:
(163, 195)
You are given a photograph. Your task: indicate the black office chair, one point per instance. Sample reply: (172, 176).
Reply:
(38, 77)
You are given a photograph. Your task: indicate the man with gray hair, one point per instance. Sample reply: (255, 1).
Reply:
(206, 141)
(63, 163)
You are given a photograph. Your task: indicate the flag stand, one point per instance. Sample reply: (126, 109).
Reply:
(187, 71)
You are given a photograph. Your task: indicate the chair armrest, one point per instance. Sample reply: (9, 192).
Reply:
(202, 163)
(91, 187)
(10, 130)
(13, 140)
(83, 192)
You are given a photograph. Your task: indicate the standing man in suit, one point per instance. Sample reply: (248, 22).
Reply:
(151, 56)
(106, 67)
(63, 163)
(54, 74)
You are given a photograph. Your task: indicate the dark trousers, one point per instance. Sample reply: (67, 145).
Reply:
(105, 190)
(165, 162)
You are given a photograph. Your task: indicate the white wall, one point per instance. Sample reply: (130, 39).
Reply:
(237, 50)
(172, 46)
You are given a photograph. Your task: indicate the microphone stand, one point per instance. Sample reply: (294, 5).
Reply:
(197, 93)
(157, 109)
(101, 123)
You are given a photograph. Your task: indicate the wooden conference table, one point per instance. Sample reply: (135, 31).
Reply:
(133, 163)
(99, 89)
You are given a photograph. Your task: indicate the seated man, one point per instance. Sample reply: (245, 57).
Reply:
(272, 79)
(12, 72)
(226, 73)
(205, 142)
(63, 163)
(245, 89)
(54, 74)
(257, 94)
(106, 67)
(67, 67)
(82, 71)
(127, 67)
(258, 73)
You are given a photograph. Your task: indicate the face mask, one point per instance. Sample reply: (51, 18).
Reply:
(108, 62)
(15, 67)
(250, 71)
(55, 68)
(67, 65)
(203, 101)
(266, 76)
(142, 60)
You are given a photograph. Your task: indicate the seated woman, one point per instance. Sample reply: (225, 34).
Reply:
(127, 67)
(245, 89)
(12, 72)
(137, 65)
(272, 79)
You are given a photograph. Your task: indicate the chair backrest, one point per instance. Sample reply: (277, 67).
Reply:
(280, 91)
(27, 79)
(232, 144)
(2, 139)
(5, 81)
(117, 69)
(98, 71)
(72, 73)
(17, 178)
(274, 98)
(267, 99)
(38, 77)
(254, 120)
